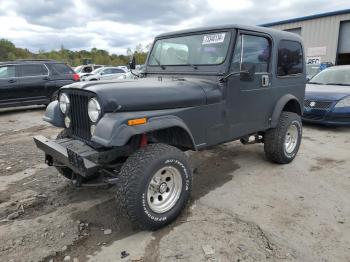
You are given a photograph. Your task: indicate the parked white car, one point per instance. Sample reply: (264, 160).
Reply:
(104, 73)
(125, 68)
(86, 69)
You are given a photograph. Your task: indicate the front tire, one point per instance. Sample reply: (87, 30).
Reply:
(281, 144)
(154, 186)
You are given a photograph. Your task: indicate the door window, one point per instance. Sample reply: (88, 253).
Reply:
(251, 51)
(107, 71)
(33, 70)
(7, 72)
(117, 71)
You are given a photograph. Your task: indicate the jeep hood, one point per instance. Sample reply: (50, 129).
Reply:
(151, 93)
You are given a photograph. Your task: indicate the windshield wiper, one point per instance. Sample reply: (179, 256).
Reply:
(193, 65)
(158, 62)
(315, 83)
(338, 84)
(188, 63)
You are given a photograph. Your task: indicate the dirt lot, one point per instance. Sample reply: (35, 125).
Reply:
(243, 207)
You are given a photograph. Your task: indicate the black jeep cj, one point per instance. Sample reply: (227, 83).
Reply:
(200, 88)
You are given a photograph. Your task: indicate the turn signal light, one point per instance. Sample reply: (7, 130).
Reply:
(137, 121)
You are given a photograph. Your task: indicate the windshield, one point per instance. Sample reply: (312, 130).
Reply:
(335, 76)
(78, 69)
(312, 70)
(201, 49)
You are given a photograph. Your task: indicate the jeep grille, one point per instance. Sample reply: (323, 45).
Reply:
(80, 123)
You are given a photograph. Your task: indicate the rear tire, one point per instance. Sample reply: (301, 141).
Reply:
(154, 185)
(281, 144)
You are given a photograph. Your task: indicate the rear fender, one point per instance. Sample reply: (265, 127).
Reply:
(281, 105)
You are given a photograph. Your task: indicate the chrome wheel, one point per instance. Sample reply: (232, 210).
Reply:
(291, 139)
(164, 189)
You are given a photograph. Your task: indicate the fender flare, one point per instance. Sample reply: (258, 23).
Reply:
(279, 107)
(111, 134)
(53, 114)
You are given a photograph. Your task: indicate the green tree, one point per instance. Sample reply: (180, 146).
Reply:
(8, 51)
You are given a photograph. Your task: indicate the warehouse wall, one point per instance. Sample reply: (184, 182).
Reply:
(319, 34)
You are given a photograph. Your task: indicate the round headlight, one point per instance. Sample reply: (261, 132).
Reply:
(94, 110)
(64, 103)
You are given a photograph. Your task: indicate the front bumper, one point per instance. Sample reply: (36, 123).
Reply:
(71, 153)
(327, 117)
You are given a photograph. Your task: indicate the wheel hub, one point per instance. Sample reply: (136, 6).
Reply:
(164, 189)
(291, 138)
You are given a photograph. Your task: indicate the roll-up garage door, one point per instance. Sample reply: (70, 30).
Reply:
(344, 38)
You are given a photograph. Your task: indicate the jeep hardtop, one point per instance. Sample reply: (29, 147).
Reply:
(200, 88)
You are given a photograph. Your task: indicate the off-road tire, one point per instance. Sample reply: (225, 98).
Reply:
(66, 171)
(274, 139)
(134, 178)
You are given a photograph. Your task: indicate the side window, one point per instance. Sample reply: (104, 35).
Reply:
(61, 69)
(7, 71)
(107, 71)
(87, 69)
(290, 58)
(117, 71)
(251, 51)
(33, 70)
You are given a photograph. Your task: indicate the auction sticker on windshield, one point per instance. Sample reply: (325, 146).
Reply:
(213, 39)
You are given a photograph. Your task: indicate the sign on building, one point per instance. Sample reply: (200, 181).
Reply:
(317, 51)
(313, 60)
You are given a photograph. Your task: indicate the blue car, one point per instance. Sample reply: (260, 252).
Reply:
(327, 97)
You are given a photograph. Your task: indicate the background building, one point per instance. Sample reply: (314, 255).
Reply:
(326, 36)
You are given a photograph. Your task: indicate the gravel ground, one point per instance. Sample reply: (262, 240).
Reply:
(243, 208)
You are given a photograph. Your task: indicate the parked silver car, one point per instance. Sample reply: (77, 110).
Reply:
(104, 73)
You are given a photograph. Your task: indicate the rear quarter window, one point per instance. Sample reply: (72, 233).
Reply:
(61, 69)
(290, 58)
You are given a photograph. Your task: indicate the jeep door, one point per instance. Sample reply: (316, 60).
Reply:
(250, 96)
(8, 84)
(32, 83)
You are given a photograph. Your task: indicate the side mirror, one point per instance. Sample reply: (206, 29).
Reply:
(248, 75)
(132, 63)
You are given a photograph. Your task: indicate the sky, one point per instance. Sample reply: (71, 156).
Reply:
(116, 25)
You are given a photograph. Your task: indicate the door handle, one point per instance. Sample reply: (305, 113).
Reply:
(46, 78)
(12, 80)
